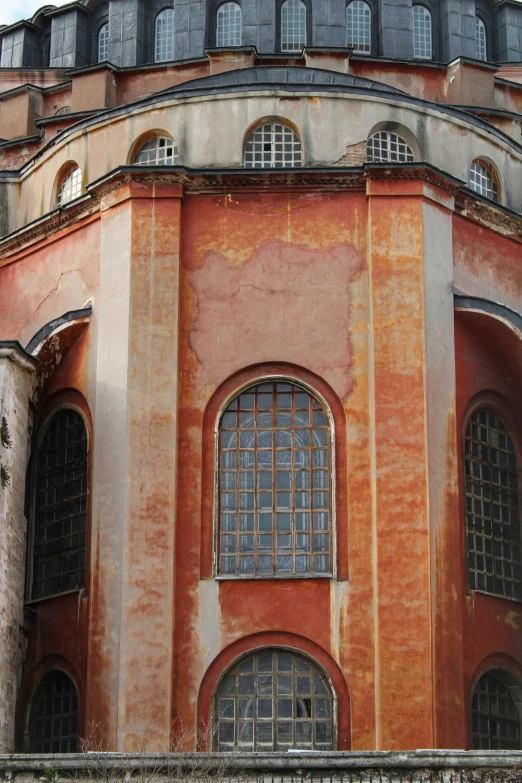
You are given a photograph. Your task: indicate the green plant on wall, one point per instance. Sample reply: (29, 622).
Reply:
(5, 441)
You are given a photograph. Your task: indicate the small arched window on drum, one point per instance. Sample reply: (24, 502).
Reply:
(275, 484)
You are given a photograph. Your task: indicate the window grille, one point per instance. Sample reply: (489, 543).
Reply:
(482, 49)
(273, 146)
(272, 701)
(275, 499)
(422, 39)
(358, 26)
(53, 716)
(228, 32)
(61, 507)
(159, 151)
(164, 38)
(293, 26)
(494, 719)
(482, 181)
(492, 507)
(70, 188)
(103, 43)
(388, 147)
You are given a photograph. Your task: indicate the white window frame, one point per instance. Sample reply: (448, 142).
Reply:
(164, 36)
(359, 26)
(277, 135)
(422, 33)
(293, 26)
(156, 152)
(482, 39)
(70, 188)
(483, 180)
(228, 25)
(388, 147)
(103, 43)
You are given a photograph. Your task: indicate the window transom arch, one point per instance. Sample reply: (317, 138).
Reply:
(293, 26)
(228, 25)
(422, 33)
(483, 179)
(158, 149)
(492, 507)
(164, 36)
(53, 723)
(272, 700)
(359, 26)
(481, 37)
(495, 721)
(60, 507)
(273, 145)
(275, 501)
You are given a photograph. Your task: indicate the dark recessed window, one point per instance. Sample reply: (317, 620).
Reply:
(275, 494)
(53, 715)
(492, 507)
(494, 717)
(272, 701)
(60, 507)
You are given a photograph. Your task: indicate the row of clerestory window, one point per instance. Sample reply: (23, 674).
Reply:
(275, 145)
(272, 699)
(275, 505)
(294, 30)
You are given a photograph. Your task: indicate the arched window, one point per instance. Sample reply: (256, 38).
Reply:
(228, 27)
(60, 507)
(422, 37)
(492, 507)
(63, 110)
(480, 32)
(71, 187)
(164, 36)
(53, 715)
(159, 151)
(293, 26)
(359, 26)
(482, 180)
(272, 701)
(495, 723)
(103, 43)
(275, 471)
(388, 147)
(273, 146)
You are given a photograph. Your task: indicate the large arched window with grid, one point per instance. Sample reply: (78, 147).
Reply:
(495, 724)
(359, 26)
(228, 25)
(484, 179)
(275, 484)
(53, 715)
(60, 507)
(422, 33)
(293, 26)
(70, 186)
(164, 36)
(481, 37)
(492, 507)
(388, 147)
(157, 151)
(273, 146)
(103, 43)
(274, 700)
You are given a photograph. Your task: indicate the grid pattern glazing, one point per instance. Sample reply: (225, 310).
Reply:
(53, 722)
(159, 151)
(228, 32)
(388, 147)
(422, 39)
(61, 507)
(492, 507)
(274, 700)
(164, 37)
(70, 188)
(480, 31)
(494, 717)
(275, 484)
(273, 146)
(481, 180)
(293, 26)
(103, 43)
(359, 26)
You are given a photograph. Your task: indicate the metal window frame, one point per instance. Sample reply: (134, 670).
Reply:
(481, 33)
(332, 575)
(430, 16)
(26, 737)
(33, 480)
(160, 13)
(103, 31)
(260, 126)
(353, 6)
(221, 10)
(500, 675)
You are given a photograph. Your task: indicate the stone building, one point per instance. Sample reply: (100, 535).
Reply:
(260, 374)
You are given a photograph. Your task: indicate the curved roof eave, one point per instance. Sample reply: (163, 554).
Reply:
(277, 78)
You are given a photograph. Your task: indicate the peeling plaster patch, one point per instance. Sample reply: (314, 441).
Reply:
(338, 607)
(511, 619)
(209, 622)
(301, 301)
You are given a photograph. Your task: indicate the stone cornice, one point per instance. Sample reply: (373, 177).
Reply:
(11, 349)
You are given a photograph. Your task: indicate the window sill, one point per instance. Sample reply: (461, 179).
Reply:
(470, 592)
(35, 601)
(267, 577)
